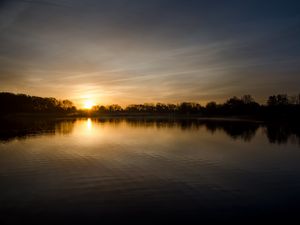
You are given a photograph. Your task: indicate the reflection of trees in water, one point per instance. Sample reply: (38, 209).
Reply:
(283, 133)
(242, 130)
(22, 128)
(64, 127)
(276, 133)
(236, 130)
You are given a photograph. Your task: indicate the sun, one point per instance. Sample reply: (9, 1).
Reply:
(88, 104)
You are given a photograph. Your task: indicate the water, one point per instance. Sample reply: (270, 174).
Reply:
(87, 171)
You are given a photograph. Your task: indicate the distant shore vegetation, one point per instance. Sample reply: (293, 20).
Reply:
(277, 106)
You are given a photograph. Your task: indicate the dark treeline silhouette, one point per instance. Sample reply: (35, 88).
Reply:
(21, 103)
(279, 106)
(234, 106)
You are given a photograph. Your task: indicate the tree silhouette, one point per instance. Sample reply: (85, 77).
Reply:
(20, 103)
(281, 106)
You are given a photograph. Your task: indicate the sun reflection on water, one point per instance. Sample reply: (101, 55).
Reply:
(88, 129)
(89, 124)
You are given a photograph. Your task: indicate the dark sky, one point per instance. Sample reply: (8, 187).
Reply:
(136, 51)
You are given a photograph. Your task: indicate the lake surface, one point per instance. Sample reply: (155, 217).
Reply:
(88, 171)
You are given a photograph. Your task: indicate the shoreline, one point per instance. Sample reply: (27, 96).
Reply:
(138, 116)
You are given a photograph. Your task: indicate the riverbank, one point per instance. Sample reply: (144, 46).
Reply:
(165, 116)
(147, 116)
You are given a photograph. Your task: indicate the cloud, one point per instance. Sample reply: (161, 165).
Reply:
(130, 51)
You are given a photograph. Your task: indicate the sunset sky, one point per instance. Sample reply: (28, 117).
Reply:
(136, 51)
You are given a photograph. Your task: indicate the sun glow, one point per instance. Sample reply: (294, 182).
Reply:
(88, 104)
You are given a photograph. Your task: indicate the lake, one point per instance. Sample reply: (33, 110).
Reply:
(88, 171)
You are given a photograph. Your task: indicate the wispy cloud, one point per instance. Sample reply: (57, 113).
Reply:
(148, 50)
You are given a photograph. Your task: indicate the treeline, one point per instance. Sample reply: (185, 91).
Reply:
(21, 103)
(235, 105)
(280, 105)
(277, 106)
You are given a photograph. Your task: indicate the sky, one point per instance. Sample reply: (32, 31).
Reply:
(137, 51)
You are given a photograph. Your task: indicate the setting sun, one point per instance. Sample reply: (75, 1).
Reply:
(88, 104)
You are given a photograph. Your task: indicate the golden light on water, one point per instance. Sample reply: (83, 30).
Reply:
(89, 124)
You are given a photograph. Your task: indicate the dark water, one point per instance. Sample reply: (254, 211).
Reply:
(148, 171)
